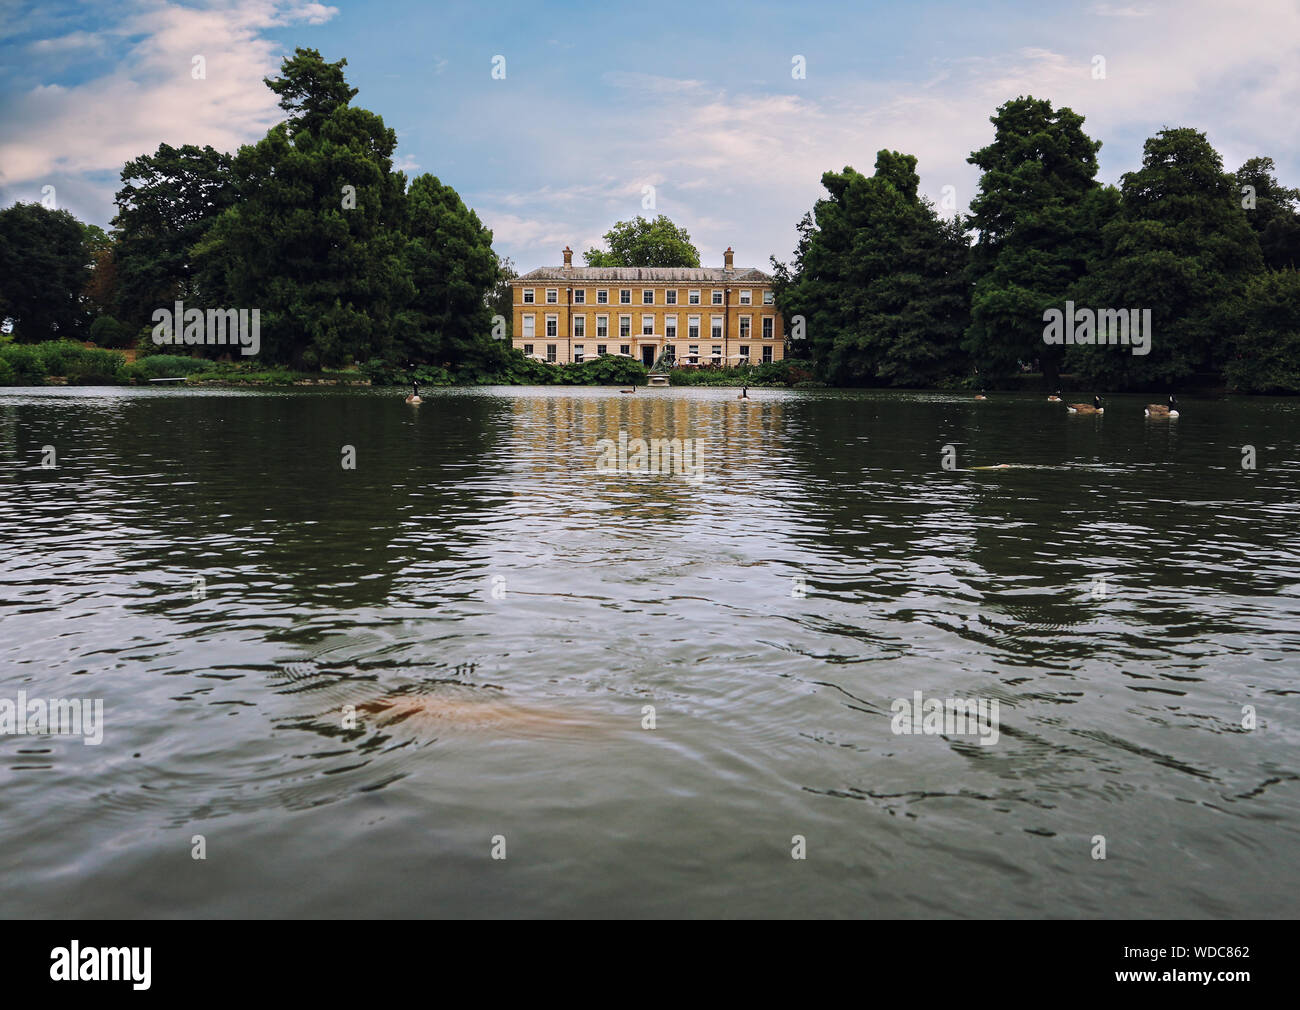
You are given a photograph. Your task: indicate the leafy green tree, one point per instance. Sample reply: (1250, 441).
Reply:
(501, 300)
(1274, 215)
(44, 267)
(1266, 355)
(1180, 246)
(642, 243)
(879, 279)
(1036, 230)
(167, 203)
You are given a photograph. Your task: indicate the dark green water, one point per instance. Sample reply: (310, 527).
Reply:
(523, 609)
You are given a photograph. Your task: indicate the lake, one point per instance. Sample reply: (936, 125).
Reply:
(474, 673)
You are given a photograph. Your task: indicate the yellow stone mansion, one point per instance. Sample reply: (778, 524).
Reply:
(688, 315)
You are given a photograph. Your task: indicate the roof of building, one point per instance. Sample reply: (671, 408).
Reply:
(682, 274)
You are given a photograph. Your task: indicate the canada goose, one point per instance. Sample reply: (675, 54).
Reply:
(980, 395)
(744, 393)
(414, 395)
(1160, 410)
(1085, 408)
(632, 390)
(1055, 397)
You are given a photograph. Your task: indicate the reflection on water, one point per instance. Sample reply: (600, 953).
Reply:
(470, 634)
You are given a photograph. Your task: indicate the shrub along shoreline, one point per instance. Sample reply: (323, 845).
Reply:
(60, 362)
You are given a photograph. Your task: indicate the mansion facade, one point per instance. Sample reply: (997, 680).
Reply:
(658, 315)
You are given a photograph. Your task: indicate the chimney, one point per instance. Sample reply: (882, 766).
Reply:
(726, 260)
(568, 258)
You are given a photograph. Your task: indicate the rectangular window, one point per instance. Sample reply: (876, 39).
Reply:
(717, 298)
(670, 296)
(528, 296)
(693, 298)
(715, 328)
(693, 328)
(744, 354)
(577, 353)
(600, 349)
(647, 326)
(579, 326)
(767, 355)
(625, 349)
(670, 327)
(625, 296)
(744, 327)
(670, 351)
(550, 353)
(602, 326)
(745, 296)
(767, 297)
(552, 296)
(602, 296)
(717, 354)
(768, 327)
(529, 323)
(694, 351)
(528, 350)
(624, 326)
(648, 296)
(579, 296)
(552, 326)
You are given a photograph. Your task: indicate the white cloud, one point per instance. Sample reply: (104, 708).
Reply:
(150, 96)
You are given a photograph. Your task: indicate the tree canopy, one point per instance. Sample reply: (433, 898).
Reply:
(642, 243)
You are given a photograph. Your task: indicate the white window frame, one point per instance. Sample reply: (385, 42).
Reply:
(692, 328)
(552, 296)
(530, 296)
(530, 326)
(769, 327)
(768, 357)
(552, 326)
(670, 296)
(715, 327)
(621, 320)
(651, 293)
(621, 293)
(648, 320)
(578, 353)
(716, 297)
(769, 298)
(602, 296)
(579, 323)
(670, 323)
(692, 298)
(745, 328)
(746, 296)
(602, 327)
(579, 296)
(550, 353)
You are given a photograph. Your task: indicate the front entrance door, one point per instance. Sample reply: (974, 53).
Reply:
(648, 355)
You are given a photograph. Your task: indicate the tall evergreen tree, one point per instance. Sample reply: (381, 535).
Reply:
(1036, 230)
(317, 240)
(879, 280)
(1181, 246)
(1272, 210)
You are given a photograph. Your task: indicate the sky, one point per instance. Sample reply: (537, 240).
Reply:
(591, 103)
